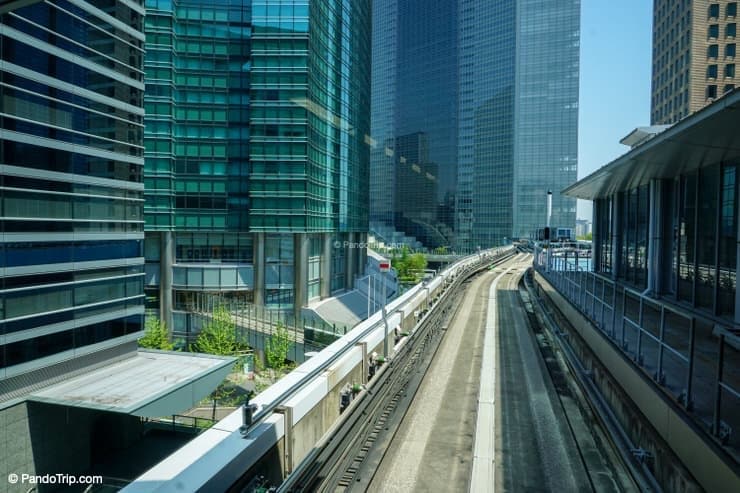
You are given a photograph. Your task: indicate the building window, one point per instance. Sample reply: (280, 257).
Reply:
(712, 91)
(729, 87)
(713, 31)
(727, 242)
(713, 51)
(684, 247)
(730, 50)
(707, 202)
(713, 10)
(730, 70)
(731, 9)
(711, 71)
(730, 30)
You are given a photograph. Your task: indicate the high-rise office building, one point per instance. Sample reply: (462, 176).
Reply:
(494, 88)
(693, 56)
(71, 163)
(256, 150)
(73, 384)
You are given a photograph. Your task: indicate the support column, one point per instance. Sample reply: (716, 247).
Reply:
(737, 274)
(349, 261)
(166, 262)
(597, 233)
(655, 247)
(300, 272)
(616, 235)
(361, 254)
(326, 256)
(667, 206)
(259, 269)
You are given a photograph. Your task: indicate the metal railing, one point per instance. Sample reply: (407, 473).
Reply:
(692, 358)
(254, 324)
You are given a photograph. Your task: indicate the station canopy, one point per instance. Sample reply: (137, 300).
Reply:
(707, 137)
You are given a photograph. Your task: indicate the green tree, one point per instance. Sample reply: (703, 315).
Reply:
(218, 336)
(155, 335)
(277, 347)
(410, 267)
(417, 263)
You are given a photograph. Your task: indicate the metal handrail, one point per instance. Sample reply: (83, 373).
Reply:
(267, 409)
(562, 281)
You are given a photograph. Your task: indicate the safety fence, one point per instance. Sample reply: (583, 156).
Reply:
(693, 358)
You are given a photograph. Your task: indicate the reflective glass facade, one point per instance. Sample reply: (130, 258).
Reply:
(256, 142)
(698, 226)
(493, 87)
(71, 162)
(546, 129)
(415, 108)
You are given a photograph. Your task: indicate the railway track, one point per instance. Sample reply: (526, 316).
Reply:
(348, 457)
(546, 437)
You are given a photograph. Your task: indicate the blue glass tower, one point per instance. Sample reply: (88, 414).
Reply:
(494, 86)
(71, 162)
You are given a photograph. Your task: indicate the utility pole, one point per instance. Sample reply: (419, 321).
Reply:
(385, 266)
(549, 232)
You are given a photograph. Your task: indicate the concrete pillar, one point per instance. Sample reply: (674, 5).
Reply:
(259, 268)
(596, 241)
(300, 272)
(361, 254)
(737, 275)
(166, 262)
(326, 255)
(616, 234)
(349, 261)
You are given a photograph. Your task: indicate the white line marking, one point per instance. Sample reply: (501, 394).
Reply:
(484, 449)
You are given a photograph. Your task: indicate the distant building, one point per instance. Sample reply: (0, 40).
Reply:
(694, 45)
(257, 151)
(583, 227)
(493, 87)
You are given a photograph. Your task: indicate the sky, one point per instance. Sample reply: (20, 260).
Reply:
(616, 46)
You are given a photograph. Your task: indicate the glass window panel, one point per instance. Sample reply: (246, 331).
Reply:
(686, 237)
(706, 241)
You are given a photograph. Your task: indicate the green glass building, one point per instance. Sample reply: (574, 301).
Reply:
(256, 160)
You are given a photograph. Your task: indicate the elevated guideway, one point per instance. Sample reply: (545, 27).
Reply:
(288, 422)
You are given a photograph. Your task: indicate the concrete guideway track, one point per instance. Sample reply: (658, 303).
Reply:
(487, 416)
(431, 450)
(535, 448)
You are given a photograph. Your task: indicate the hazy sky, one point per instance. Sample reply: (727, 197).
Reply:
(616, 46)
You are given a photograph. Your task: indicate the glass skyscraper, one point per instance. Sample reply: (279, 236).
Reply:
(71, 162)
(256, 149)
(493, 85)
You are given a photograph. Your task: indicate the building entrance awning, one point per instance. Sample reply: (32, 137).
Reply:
(148, 384)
